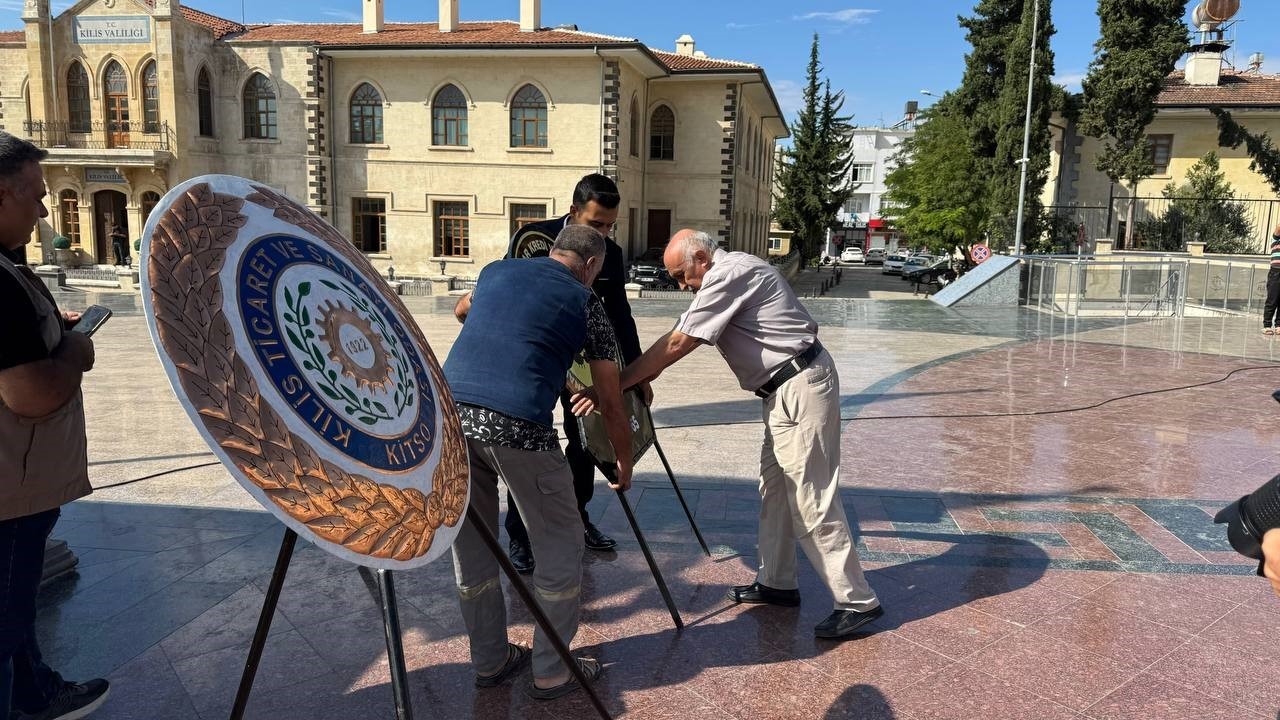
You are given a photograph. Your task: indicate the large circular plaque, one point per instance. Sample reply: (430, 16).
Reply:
(303, 372)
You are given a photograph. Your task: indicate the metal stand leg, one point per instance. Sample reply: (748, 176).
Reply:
(395, 645)
(648, 557)
(663, 457)
(535, 609)
(264, 623)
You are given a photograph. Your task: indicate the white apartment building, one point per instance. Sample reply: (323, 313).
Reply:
(874, 153)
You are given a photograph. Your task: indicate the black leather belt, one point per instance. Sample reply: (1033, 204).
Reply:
(790, 370)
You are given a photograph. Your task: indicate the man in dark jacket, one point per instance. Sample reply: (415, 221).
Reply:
(595, 204)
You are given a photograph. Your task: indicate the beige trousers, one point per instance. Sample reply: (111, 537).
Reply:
(800, 489)
(542, 487)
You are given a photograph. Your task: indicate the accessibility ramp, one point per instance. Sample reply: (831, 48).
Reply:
(994, 282)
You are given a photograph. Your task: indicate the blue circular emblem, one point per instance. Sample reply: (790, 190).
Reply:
(336, 353)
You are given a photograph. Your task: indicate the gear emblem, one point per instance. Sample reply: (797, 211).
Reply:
(354, 346)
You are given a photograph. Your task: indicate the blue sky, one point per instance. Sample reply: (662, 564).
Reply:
(880, 52)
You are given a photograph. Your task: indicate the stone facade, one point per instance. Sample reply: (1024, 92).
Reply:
(392, 187)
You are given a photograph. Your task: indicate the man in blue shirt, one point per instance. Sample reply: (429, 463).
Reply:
(506, 370)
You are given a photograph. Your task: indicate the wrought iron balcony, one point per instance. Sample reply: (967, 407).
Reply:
(111, 135)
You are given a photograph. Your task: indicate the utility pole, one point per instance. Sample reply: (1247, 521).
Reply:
(1026, 133)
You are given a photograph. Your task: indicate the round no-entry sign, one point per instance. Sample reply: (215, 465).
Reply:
(980, 253)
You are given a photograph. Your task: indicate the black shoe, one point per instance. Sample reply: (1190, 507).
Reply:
(521, 557)
(843, 623)
(757, 594)
(597, 540)
(73, 701)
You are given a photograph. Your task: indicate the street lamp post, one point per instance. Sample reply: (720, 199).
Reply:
(1025, 161)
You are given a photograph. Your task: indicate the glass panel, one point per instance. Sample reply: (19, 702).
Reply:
(150, 100)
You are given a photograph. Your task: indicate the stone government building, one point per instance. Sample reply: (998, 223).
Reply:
(429, 143)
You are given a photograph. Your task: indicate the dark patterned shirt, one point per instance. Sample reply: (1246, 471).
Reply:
(495, 428)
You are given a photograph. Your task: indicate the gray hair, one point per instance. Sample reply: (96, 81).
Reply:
(15, 153)
(580, 240)
(697, 240)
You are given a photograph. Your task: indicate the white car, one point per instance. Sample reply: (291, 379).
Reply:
(852, 255)
(893, 264)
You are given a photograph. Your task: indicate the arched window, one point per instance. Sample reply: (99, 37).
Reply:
(449, 117)
(662, 134)
(78, 99)
(148, 201)
(204, 102)
(150, 99)
(366, 115)
(69, 215)
(259, 108)
(529, 118)
(635, 128)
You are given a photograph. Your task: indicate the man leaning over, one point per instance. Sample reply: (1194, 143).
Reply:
(506, 370)
(43, 461)
(747, 310)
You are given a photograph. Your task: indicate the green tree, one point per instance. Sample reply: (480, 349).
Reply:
(1011, 110)
(1204, 208)
(813, 175)
(1140, 43)
(1266, 158)
(933, 190)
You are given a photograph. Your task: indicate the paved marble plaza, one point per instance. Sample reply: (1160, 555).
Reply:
(1043, 546)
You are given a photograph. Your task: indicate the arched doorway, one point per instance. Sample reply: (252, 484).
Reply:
(108, 210)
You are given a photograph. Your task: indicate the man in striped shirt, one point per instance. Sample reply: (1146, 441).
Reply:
(1270, 321)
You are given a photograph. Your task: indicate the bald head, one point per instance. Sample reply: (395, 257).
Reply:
(690, 253)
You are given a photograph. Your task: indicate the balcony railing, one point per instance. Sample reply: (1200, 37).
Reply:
(131, 135)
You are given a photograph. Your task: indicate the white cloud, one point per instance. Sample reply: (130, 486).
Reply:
(10, 4)
(346, 15)
(730, 26)
(848, 16)
(1071, 80)
(790, 97)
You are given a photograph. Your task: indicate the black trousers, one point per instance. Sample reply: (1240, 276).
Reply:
(121, 250)
(1270, 312)
(581, 465)
(26, 682)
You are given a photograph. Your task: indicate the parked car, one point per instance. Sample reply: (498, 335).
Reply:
(875, 256)
(893, 264)
(915, 264)
(852, 255)
(652, 256)
(920, 271)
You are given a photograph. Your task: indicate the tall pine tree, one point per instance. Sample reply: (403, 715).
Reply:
(1011, 111)
(813, 176)
(1141, 42)
(992, 97)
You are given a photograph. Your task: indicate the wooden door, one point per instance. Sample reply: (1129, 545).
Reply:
(116, 110)
(118, 121)
(659, 228)
(108, 208)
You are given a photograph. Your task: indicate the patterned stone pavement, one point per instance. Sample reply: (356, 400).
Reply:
(1042, 543)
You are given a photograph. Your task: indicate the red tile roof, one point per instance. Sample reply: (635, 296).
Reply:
(499, 34)
(1234, 89)
(13, 36)
(687, 63)
(491, 34)
(221, 27)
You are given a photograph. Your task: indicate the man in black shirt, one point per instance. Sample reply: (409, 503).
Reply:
(595, 204)
(42, 444)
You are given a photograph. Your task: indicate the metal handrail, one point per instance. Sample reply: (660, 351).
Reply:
(99, 135)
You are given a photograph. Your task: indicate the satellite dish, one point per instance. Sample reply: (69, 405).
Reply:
(1211, 13)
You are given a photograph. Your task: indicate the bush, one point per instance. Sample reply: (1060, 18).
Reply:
(61, 243)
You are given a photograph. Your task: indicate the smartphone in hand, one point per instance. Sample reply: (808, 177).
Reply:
(93, 317)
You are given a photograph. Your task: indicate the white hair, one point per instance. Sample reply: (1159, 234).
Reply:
(698, 240)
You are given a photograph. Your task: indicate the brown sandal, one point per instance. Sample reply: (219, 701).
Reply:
(517, 657)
